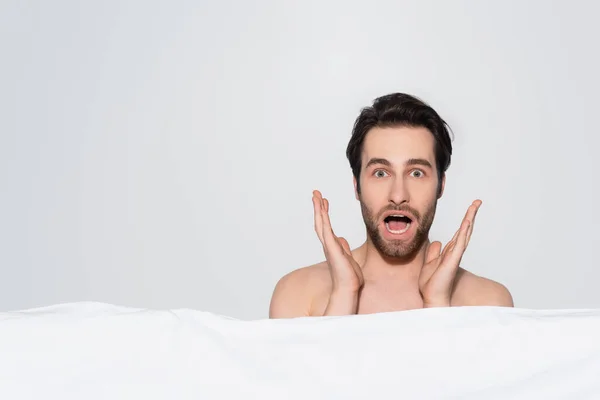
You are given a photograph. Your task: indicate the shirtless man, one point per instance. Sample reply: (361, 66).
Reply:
(399, 152)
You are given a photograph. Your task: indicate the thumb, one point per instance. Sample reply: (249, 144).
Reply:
(345, 245)
(433, 252)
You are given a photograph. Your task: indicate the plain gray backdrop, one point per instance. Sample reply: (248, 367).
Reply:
(162, 154)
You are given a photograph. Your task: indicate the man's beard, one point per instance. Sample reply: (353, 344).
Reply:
(399, 248)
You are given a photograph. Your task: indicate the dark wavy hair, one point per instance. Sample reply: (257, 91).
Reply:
(400, 109)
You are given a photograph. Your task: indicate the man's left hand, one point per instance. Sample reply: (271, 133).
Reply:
(439, 271)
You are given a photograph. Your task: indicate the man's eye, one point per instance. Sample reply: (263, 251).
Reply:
(380, 174)
(417, 173)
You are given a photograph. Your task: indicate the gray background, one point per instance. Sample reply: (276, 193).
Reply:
(163, 154)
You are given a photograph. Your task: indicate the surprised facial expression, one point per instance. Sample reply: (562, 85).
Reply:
(398, 188)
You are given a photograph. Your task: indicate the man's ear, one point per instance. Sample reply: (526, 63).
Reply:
(355, 189)
(443, 184)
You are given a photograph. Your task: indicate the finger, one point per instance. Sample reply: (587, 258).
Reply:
(476, 204)
(327, 231)
(450, 263)
(469, 231)
(472, 211)
(318, 215)
(450, 245)
(461, 241)
(468, 218)
(453, 240)
(322, 201)
(325, 212)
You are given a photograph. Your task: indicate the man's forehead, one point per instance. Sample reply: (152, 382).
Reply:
(399, 144)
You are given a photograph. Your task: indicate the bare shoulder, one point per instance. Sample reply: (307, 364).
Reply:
(296, 291)
(474, 290)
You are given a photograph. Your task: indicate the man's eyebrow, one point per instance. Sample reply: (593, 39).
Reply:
(412, 161)
(419, 161)
(381, 161)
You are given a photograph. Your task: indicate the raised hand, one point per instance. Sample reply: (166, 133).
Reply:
(439, 271)
(346, 274)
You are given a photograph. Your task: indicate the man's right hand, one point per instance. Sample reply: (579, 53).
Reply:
(346, 274)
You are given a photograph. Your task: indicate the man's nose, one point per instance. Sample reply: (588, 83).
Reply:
(399, 192)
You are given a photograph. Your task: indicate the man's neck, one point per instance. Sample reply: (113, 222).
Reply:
(376, 265)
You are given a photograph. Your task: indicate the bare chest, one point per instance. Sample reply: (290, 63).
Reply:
(376, 298)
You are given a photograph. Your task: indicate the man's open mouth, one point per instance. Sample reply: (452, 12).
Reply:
(397, 223)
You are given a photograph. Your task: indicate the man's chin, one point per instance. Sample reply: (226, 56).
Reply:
(397, 248)
(399, 252)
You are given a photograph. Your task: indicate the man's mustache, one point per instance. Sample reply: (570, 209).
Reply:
(404, 208)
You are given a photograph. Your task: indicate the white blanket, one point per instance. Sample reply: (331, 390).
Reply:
(101, 351)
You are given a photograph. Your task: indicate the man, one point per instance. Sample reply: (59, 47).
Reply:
(399, 152)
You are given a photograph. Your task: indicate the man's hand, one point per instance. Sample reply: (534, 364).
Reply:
(438, 273)
(346, 274)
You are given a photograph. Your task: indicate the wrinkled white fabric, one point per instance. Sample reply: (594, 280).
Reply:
(102, 351)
